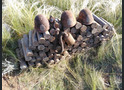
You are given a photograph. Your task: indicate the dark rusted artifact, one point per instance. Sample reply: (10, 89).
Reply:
(85, 17)
(69, 38)
(54, 22)
(41, 23)
(68, 20)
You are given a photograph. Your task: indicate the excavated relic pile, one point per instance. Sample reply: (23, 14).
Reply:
(53, 40)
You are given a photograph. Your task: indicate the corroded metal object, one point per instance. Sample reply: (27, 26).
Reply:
(69, 39)
(68, 20)
(85, 17)
(59, 43)
(55, 22)
(41, 23)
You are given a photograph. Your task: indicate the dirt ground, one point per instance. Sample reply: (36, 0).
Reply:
(8, 85)
(5, 86)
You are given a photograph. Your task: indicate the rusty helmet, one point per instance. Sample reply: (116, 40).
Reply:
(85, 17)
(41, 23)
(68, 20)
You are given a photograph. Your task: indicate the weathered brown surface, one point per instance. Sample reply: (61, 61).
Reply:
(30, 41)
(34, 38)
(27, 58)
(69, 39)
(26, 44)
(41, 23)
(85, 17)
(68, 19)
(59, 43)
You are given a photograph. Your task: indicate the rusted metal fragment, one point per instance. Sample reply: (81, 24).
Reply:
(68, 20)
(41, 23)
(85, 17)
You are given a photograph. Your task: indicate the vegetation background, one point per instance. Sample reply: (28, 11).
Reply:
(97, 69)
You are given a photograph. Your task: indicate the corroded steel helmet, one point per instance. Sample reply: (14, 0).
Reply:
(68, 20)
(41, 23)
(85, 17)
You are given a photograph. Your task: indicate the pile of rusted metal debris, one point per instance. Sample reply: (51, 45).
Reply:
(53, 40)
